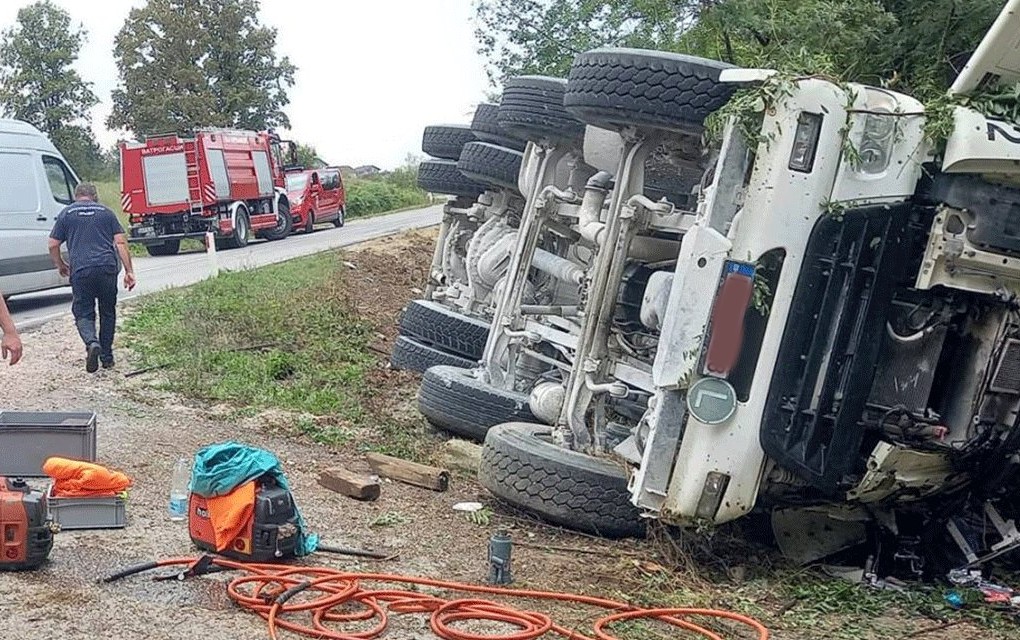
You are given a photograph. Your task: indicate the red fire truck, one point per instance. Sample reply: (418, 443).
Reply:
(228, 182)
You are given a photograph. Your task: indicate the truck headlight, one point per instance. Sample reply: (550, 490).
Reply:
(877, 140)
(805, 142)
(711, 495)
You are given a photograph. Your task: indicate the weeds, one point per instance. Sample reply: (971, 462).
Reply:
(389, 519)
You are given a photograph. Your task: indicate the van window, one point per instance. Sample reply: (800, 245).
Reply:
(19, 190)
(61, 183)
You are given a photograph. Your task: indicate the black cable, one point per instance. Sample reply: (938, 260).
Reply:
(130, 571)
(358, 553)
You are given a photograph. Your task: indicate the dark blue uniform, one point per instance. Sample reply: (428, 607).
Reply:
(88, 229)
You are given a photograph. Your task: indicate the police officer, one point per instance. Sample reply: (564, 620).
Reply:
(95, 239)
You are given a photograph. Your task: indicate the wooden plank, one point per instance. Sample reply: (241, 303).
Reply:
(420, 475)
(354, 485)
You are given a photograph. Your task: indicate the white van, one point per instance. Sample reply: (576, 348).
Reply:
(36, 185)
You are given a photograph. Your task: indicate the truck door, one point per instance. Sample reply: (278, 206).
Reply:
(331, 192)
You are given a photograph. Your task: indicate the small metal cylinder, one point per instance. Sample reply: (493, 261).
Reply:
(500, 548)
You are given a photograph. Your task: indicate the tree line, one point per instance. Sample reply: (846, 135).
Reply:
(182, 64)
(915, 46)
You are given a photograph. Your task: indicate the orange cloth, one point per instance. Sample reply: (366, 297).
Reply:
(231, 513)
(75, 478)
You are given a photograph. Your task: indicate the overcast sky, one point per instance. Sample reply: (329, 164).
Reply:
(371, 74)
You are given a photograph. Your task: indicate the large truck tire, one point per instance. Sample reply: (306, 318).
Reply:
(486, 127)
(455, 401)
(524, 468)
(238, 238)
(442, 176)
(284, 224)
(616, 88)
(410, 355)
(492, 164)
(433, 324)
(445, 141)
(168, 248)
(532, 108)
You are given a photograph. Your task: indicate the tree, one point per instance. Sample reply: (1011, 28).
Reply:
(308, 157)
(39, 85)
(910, 44)
(186, 64)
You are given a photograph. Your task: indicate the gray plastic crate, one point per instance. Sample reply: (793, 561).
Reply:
(28, 438)
(88, 513)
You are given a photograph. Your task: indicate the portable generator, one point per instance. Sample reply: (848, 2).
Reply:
(271, 533)
(26, 535)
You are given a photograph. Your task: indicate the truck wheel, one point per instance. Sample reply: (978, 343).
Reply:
(524, 468)
(168, 248)
(491, 163)
(239, 238)
(486, 127)
(453, 400)
(532, 108)
(284, 224)
(410, 355)
(442, 176)
(435, 325)
(616, 88)
(446, 140)
(338, 221)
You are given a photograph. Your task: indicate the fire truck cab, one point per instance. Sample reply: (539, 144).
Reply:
(227, 182)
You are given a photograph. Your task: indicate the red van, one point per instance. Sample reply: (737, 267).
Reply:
(316, 196)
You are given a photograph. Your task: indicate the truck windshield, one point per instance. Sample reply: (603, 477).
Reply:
(296, 182)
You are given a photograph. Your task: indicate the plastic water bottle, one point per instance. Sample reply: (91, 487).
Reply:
(179, 490)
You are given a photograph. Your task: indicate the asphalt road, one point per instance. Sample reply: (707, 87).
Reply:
(156, 274)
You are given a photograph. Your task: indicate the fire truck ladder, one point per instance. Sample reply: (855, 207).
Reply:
(194, 181)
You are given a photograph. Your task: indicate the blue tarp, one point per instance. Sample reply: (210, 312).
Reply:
(221, 468)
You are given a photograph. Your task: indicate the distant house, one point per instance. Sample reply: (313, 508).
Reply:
(366, 170)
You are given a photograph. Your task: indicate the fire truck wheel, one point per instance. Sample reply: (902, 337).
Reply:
(442, 176)
(453, 400)
(491, 163)
(617, 88)
(338, 221)
(411, 355)
(524, 468)
(168, 248)
(284, 224)
(446, 140)
(239, 238)
(433, 324)
(486, 127)
(532, 108)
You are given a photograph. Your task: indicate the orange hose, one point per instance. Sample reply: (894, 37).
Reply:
(259, 589)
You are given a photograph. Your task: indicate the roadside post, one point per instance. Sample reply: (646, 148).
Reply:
(210, 250)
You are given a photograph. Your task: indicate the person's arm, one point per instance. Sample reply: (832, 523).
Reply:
(57, 237)
(10, 344)
(125, 257)
(58, 260)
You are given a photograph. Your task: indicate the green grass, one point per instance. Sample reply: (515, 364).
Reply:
(315, 352)
(279, 337)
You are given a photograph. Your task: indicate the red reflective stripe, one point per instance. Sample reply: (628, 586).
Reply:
(727, 324)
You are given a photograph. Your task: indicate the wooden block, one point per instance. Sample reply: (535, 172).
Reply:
(354, 485)
(420, 475)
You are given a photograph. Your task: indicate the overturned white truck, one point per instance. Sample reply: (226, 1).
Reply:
(835, 342)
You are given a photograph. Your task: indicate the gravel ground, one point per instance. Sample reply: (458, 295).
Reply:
(142, 432)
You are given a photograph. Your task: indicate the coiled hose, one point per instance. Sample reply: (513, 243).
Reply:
(267, 590)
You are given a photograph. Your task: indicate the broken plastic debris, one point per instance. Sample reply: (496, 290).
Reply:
(470, 507)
